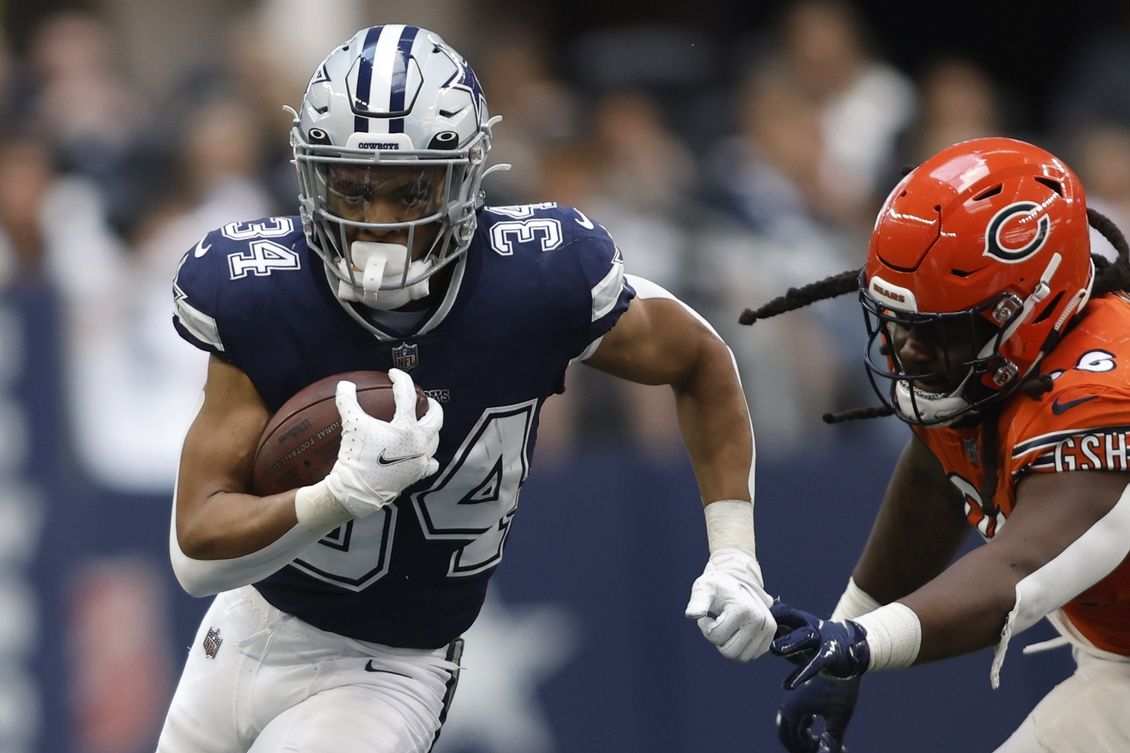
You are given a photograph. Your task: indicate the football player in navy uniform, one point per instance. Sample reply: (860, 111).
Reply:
(340, 605)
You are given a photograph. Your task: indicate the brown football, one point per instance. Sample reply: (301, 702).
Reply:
(300, 443)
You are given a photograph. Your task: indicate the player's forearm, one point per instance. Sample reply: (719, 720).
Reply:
(965, 608)
(902, 556)
(715, 425)
(917, 532)
(229, 524)
(961, 611)
(274, 531)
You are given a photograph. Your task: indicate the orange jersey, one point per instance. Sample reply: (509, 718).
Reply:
(1082, 424)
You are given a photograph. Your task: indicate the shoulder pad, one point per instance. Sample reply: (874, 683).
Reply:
(235, 252)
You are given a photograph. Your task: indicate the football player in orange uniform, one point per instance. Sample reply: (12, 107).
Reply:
(1005, 345)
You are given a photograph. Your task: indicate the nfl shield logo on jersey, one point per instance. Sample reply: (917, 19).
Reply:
(405, 356)
(212, 642)
(972, 452)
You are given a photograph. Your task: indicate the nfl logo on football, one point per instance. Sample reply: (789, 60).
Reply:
(405, 356)
(212, 642)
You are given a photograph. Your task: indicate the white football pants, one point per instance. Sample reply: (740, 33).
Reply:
(259, 680)
(1089, 712)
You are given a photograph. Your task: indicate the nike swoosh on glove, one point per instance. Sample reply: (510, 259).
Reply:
(363, 479)
(816, 646)
(731, 606)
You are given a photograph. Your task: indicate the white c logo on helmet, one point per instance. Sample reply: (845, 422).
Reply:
(1022, 239)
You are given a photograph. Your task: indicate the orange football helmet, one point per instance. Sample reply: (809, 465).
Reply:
(989, 231)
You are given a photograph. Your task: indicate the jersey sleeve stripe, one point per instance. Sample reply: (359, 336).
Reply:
(606, 293)
(1051, 440)
(1047, 460)
(198, 324)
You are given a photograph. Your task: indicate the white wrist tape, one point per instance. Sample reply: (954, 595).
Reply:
(854, 603)
(894, 636)
(318, 509)
(729, 525)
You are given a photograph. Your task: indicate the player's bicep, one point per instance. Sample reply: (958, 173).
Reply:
(1054, 511)
(656, 341)
(220, 444)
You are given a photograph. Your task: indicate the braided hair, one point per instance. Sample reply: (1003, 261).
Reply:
(1109, 277)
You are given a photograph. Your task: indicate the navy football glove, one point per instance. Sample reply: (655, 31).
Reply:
(820, 702)
(833, 649)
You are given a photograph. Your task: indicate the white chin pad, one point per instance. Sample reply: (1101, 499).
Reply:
(382, 270)
(930, 407)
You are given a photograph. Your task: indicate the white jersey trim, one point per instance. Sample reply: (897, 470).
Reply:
(606, 293)
(202, 326)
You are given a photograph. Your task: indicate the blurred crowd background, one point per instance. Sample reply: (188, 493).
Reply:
(732, 149)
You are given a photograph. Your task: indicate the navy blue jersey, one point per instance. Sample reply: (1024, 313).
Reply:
(537, 286)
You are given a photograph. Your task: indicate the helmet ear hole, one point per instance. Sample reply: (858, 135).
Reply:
(444, 140)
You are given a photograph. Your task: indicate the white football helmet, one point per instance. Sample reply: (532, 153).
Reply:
(397, 100)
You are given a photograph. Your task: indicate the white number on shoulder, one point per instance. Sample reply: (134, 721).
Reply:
(524, 227)
(261, 258)
(272, 227)
(505, 235)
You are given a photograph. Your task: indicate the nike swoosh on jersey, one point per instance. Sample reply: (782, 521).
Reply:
(201, 249)
(1058, 407)
(582, 220)
(383, 460)
(370, 668)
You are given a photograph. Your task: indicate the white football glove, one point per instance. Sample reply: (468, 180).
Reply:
(380, 459)
(731, 605)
